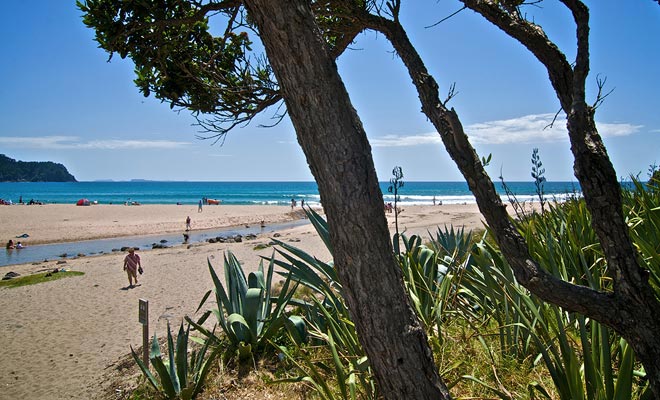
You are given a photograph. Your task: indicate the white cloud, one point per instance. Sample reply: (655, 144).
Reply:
(75, 143)
(610, 130)
(528, 128)
(518, 130)
(405, 141)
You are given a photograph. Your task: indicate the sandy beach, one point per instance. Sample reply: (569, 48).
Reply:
(62, 339)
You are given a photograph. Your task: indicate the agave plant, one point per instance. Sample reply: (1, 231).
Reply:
(456, 244)
(248, 312)
(178, 376)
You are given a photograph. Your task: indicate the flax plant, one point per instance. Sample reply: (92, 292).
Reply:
(642, 207)
(424, 275)
(585, 359)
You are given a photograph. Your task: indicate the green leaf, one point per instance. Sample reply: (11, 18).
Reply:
(155, 348)
(182, 356)
(165, 380)
(623, 386)
(150, 378)
(172, 362)
(240, 328)
(252, 311)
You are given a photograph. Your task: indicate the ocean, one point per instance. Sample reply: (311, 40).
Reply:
(254, 193)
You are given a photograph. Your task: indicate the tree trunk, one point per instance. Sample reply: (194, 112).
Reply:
(335, 144)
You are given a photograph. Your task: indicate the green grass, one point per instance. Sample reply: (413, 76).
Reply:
(34, 279)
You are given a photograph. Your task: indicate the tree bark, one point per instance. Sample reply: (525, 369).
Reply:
(339, 156)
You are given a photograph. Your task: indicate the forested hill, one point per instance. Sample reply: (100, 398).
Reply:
(32, 171)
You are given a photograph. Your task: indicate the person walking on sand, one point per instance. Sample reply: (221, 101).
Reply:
(188, 223)
(199, 207)
(131, 266)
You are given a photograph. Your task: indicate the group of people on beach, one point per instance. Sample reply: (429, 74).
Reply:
(294, 203)
(10, 245)
(20, 201)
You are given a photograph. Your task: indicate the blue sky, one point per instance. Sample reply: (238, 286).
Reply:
(60, 100)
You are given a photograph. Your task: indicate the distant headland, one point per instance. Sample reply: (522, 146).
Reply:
(33, 171)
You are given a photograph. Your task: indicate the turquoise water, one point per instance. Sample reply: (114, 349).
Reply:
(247, 193)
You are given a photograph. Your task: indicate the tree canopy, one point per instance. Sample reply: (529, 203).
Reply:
(178, 60)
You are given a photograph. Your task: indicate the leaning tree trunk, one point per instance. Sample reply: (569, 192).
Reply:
(335, 144)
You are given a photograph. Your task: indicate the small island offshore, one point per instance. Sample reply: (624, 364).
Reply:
(33, 171)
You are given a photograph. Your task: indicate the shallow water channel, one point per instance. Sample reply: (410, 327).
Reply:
(57, 251)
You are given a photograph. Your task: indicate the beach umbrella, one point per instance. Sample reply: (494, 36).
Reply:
(82, 202)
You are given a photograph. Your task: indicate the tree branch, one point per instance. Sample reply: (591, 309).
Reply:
(527, 271)
(534, 39)
(600, 97)
(581, 69)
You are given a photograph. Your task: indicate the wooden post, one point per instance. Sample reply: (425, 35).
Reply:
(143, 317)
